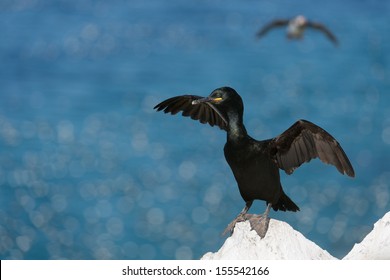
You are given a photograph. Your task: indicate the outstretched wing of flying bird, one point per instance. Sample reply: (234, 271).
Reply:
(272, 24)
(205, 112)
(304, 141)
(324, 30)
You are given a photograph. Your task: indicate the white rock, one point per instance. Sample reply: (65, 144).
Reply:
(376, 245)
(281, 242)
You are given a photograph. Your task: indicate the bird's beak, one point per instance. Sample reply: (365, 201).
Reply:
(207, 99)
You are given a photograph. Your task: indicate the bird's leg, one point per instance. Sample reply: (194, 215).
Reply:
(260, 223)
(243, 216)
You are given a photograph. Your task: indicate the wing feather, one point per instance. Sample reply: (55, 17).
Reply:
(203, 112)
(304, 141)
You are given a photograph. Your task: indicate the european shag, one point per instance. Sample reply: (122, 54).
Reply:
(255, 164)
(296, 28)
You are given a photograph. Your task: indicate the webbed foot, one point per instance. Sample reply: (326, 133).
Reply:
(260, 223)
(232, 224)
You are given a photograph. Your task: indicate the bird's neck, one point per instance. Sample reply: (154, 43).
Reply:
(236, 128)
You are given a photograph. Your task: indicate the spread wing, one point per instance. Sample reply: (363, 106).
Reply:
(324, 30)
(272, 24)
(204, 112)
(304, 141)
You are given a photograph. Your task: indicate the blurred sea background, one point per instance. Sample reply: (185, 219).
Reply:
(88, 170)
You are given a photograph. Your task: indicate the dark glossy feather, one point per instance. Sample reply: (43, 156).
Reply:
(204, 112)
(304, 141)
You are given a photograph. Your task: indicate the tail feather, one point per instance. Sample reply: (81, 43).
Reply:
(285, 204)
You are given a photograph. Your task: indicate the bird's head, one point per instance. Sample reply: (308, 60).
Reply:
(225, 99)
(300, 20)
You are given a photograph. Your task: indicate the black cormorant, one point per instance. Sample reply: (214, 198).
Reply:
(296, 28)
(255, 164)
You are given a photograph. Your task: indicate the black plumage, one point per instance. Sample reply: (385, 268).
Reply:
(255, 164)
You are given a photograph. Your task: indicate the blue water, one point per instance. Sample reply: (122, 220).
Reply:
(89, 171)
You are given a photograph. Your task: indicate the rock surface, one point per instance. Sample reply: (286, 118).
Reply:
(376, 245)
(282, 242)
